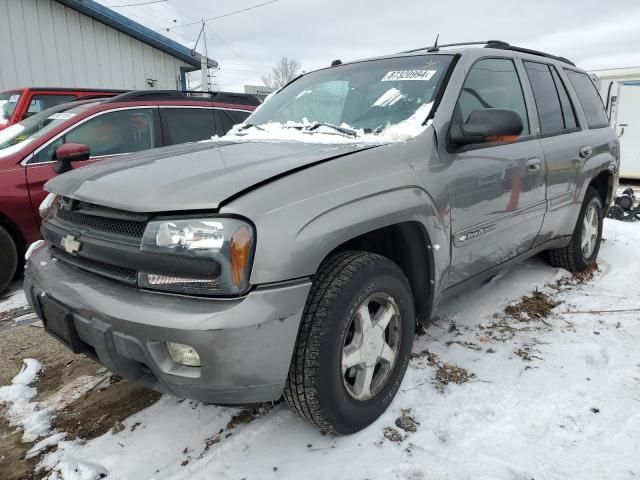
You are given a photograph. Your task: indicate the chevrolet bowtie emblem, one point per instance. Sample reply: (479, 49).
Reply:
(70, 244)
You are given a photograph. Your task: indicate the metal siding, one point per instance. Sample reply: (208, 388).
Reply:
(19, 40)
(7, 60)
(48, 44)
(47, 37)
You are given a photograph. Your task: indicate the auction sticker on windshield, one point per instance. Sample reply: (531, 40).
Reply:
(14, 98)
(396, 76)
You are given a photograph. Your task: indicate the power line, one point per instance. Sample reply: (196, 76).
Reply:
(222, 16)
(251, 67)
(137, 4)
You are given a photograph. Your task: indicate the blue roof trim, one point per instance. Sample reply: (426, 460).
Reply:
(123, 24)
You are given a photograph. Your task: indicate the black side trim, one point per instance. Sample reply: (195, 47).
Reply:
(482, 277)
(290, 172)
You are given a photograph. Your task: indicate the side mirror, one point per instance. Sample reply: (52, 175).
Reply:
(70, 152)
(487, 124)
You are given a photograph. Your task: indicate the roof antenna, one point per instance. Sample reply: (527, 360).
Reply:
(435, 45)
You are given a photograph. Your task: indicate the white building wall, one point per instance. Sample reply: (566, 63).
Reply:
(45, 44)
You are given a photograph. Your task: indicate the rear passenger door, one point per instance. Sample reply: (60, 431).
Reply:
(561, 139)
(496, 189)
(187, 124)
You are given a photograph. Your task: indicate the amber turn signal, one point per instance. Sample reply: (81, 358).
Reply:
(240, 255)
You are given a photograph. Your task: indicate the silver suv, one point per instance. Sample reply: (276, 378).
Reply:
(295, 255)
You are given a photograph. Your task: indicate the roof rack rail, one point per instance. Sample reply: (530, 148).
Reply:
(151, 95)
(436, 47)
(530, 51)
(499, 44)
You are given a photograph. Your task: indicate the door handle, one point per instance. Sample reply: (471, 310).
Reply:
(586, 151)
(533, 165)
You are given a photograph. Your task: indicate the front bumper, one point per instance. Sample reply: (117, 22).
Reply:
(245, 345)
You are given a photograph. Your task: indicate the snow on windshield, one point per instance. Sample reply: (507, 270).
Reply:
(300, 131)
(388, 98)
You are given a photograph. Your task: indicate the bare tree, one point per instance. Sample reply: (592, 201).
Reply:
(285, 71)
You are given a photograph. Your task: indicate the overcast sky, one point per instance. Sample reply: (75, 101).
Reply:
(594, 34)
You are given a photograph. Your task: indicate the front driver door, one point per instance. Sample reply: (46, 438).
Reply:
(497, 190)
(107, 135)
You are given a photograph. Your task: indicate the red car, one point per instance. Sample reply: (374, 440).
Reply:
(21, 103)
(34, 150)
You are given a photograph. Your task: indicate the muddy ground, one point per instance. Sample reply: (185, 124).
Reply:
(108, 401)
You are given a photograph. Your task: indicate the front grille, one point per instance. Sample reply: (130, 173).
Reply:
(127, 275)
(116, 226)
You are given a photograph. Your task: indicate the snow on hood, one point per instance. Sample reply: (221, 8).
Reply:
(295, 131)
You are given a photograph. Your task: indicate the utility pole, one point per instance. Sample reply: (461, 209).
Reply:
(205, 61)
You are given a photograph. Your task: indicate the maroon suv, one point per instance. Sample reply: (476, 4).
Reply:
(50, 142)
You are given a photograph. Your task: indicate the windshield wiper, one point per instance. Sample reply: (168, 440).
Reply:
(346, 131)
(247, 126)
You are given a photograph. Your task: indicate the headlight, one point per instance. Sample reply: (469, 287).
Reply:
(228, 241)
(47, 209)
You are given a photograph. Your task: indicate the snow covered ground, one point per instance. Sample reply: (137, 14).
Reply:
(548, 398)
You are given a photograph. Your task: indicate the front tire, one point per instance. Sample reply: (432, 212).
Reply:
(8, 259)
(583, 249)
(354, 343)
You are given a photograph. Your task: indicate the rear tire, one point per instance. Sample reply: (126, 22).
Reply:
(8, 259)
(583, 249)
(354, 343)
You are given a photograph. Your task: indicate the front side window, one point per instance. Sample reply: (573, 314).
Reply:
(115, 133)
(112, 133)
(589, 99)
(365, 98)
(40, 103)
(36, 127)
(492, 83)
(8, 103)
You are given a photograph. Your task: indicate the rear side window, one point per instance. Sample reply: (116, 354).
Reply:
(39, 103)
(589, 99)
(547, 101)
(552, 102)
(568, 113)
(183, 125)
(492, 83)
(229, 118)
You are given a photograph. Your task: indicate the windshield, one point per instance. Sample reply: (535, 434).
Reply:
(366, 98)
(16, 136)
(8, 103)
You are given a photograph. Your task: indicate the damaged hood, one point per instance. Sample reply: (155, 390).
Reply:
(198, 176)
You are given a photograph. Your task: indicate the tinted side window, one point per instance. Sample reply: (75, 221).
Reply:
(114, 133)
(568, 113)
(182, 125)
(229, 118)
(546, 95)
(237, 116)
(42, 102)
(589, 99)
(492, 83)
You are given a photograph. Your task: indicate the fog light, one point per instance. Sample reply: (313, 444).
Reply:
(183, 354)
